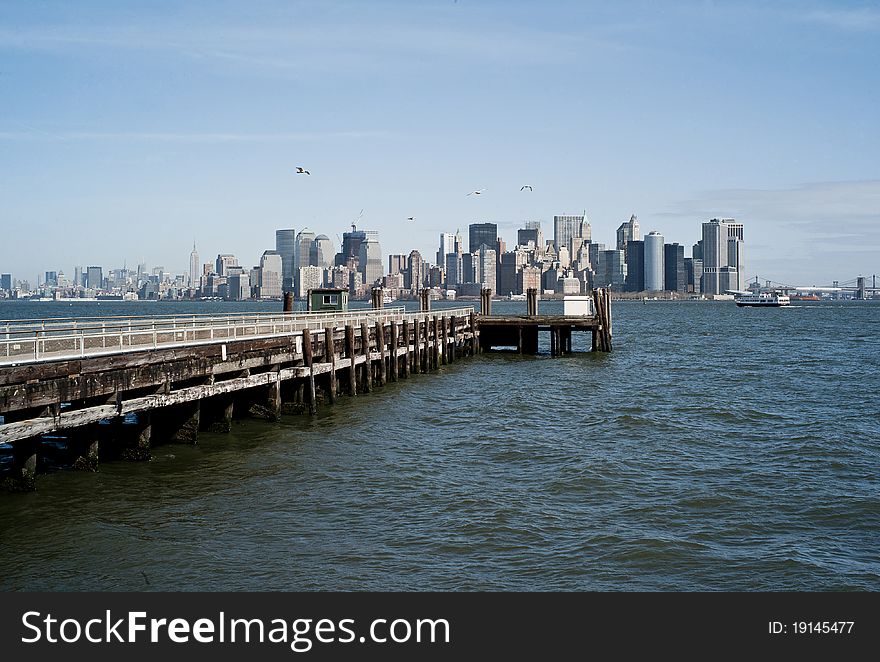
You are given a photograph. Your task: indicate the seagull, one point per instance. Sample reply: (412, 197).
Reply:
(476, 192)
(301, 171)
(526, 187)
(411, 218)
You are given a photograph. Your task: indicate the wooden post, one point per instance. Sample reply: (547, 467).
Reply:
(474, 347)
(417, 349)
(187, 422)
(288, 302)
(330, 356)
(378, 300)
(532, 301)
(426, 359)
(552, 341)
(486, 301)
(519, 343)
(307, 359)
(452, 347)
(438, 348)
(349, 349)
(368, 364)
(444, 358)
(425, 300)
(380, 343)
(394, 367)
(406, 346)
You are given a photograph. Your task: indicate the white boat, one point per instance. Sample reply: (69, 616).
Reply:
(773, 299)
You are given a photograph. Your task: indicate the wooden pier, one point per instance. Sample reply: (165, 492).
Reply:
(113, 387)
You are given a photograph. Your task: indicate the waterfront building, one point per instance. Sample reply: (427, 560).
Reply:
(654, 262)
(321, 252)
(635, 266)
(468, 268)
(308, 278)
(447, 245)
(193, 268)
(723, 267)
(568, 226)
(94, 278)
(610, 270)
(351, 246)
(370, 260)
(238, 286)
(270, 275)
(6, 282)
(51, 279)
(674, 275)
(528, 278)
(414, 278)
(532, 235)
(487, 265)
(453, 269)
(285, 242)
(628, 231)
(396, 264)
(482, 234)
(224, 261)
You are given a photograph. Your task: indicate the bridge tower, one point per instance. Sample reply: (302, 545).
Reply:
(860, 288)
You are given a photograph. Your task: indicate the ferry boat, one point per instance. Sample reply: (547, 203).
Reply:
(774, 299)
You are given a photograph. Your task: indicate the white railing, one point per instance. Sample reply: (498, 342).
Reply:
(31, 341)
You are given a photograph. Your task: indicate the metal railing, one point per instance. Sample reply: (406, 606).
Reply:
(29, 341)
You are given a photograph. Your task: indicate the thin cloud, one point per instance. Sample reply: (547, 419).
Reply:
(41, 135)
(863, 19)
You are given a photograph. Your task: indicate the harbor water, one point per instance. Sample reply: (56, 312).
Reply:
(716, 448)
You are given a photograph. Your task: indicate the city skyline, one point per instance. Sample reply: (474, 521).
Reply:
(128, 132)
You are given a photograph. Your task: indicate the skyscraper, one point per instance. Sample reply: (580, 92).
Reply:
(94, 278)
(351, 245)
(628, 231)
(447, 245)
(194, 273)
(482, 234)
(566, 227)
(635, 266)
(654, 262)
(370, 259)
(415, 272)
(224, 261)
(270, 275)
(285, 241)
(321, 254)
(675, 275)
(487, 266)
(723, 267)
(302, 248)
(396, 264)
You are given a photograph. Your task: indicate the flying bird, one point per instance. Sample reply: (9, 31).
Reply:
(476, 192)
(302, 171)
(526, 187)
(411, 218)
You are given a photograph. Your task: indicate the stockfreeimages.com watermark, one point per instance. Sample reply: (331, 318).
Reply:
(301, 634)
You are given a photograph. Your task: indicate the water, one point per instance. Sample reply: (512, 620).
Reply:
(716, 448)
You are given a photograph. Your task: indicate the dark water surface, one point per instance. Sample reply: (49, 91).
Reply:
(715, 448)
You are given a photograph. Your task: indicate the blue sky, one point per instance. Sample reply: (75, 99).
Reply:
(129, 129)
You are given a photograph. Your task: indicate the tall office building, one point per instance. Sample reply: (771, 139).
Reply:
(370, 260)
(453, 269)
(285, 242)
(322, 252)
(270, 275)
(447, 245)
(224, 261)
(654, 262)
(610, 270)
(193, 268)
(482, 234)
(302, 249)
(628, 231)
(635, 266)
(675, 275)
(94, 278)
(351, 246)
(308, 278)
(414, 277)
(723, 267)
(487, 265)
(531, 233)
(566, 227)
(396, 264)
(6, 282)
